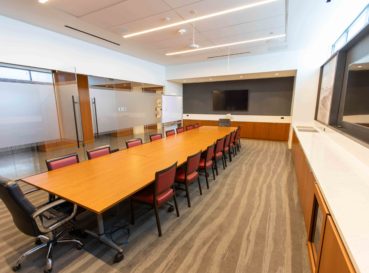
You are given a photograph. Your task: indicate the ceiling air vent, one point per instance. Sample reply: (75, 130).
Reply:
(92, 35)
(226, 55)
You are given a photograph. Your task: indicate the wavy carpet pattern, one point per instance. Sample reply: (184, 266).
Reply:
(249, 221)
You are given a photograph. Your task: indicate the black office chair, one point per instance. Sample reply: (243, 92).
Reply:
(41, 222)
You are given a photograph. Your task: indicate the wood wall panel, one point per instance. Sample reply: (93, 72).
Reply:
(253, 130)
(85, 108)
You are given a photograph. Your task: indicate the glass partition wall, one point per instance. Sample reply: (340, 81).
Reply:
(46, 114)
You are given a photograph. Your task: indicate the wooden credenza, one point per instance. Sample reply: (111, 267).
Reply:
(252, 130)
(326, 250)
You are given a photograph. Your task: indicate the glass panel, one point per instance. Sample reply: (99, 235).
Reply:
(41, 77)
(358, 25)
(356, 107)
(14, 74)
(317, 229)
(136, 108)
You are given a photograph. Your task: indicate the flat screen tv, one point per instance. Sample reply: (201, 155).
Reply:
(230, 100)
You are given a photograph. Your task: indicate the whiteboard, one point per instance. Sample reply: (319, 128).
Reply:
(172, 108)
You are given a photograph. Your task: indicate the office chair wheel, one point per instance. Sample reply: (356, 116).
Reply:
(79, 246)
(171, 209)
(16, 267)
(118, 257)
(49, 266)
(38, 242)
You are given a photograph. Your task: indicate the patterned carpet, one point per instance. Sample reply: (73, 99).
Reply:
(248, 222)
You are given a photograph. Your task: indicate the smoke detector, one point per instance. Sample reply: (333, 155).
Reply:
(193, 45)
(182, 31)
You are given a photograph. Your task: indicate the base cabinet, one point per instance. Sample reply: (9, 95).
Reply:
(334, 257)
(327, 252)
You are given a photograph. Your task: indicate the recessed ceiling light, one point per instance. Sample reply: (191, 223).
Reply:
(226, 45)
(42, 1)
(211, 15)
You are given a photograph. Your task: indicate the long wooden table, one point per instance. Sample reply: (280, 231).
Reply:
(101, 183)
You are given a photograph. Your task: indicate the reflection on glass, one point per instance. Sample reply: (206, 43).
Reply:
(317, 228)
(356, 108)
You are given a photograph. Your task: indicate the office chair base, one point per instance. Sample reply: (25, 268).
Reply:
(49, 244)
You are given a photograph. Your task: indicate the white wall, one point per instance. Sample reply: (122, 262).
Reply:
(29, 45)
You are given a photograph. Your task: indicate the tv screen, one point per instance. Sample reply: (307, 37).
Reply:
(230, 100)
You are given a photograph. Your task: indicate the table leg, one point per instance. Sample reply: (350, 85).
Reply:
(101, 236)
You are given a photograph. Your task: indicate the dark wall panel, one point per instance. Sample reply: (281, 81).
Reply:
(266, 96)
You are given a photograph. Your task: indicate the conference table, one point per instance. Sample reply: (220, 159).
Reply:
(99, 184)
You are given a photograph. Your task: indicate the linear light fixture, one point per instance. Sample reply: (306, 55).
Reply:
(226, 45)
(211, 15)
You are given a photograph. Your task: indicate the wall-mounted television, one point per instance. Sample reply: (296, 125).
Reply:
(230, 100)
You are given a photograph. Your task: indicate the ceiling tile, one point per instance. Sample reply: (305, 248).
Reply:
(125, 12)
(180, 3)
(82, 7)
(209, 6)
(149, 22)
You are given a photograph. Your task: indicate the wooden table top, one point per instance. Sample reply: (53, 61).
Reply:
(101, 183)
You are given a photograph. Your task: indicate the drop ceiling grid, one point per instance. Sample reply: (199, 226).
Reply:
(128, 16)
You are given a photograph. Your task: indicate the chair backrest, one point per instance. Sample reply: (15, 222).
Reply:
(19, 207)
(170, 133)
(196, 125)
(155, 137)
(180, 130)
(189, 127)
(193, 162)
(219, 145)
(164, 179)
(233, 136)
(227, 140)
(99, 151)
(209, 153)
(238, 133)
(63, 161)
(133, 142)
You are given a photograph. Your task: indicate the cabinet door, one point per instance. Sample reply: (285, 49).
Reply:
(318, 221)
(334, 257)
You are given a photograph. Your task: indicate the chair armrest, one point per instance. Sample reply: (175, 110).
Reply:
(37, 216)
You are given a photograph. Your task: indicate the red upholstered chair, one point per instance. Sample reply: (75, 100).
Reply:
(170, 133)
(158, 193)
(238, 138)
(63, 161)
(155, 137)
(207, 162)
(133, 142)
(99, 151)
(232, 144)
(189, 127)
(60, 162)
(227, 149)
(218, 154)
(189, 174)
(180, 130)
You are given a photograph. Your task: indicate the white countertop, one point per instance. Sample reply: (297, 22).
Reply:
(344, 183)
